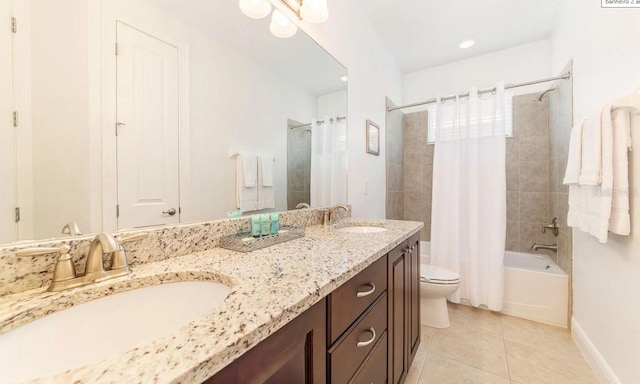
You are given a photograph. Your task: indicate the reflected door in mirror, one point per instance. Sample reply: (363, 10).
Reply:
(8, 202)
(147, 129)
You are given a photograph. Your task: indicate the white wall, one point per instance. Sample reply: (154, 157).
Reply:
(373, 75)
(519, 64)
(60, 106)
(604, 46)
(333, 104)
(247, 114)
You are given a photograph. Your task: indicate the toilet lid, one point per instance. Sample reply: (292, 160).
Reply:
(433, 274)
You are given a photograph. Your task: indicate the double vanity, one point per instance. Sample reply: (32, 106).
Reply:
(337, 305)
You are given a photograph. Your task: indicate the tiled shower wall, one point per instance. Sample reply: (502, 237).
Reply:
(418, 171)
(394, 165)
(560, 122)
(298, 165)
(529, 199)
(528, 174)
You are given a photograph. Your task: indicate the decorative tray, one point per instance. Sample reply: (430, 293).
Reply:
(244, 242)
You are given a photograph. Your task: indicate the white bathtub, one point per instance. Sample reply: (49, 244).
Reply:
(535, 288)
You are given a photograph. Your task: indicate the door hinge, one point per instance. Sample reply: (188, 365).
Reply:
(117, 210)
(117, 49)
(16, 118)
(179, 210)
(14, 25)
(17, 215)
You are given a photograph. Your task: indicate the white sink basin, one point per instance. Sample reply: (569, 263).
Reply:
(90, 332)
(361, 229)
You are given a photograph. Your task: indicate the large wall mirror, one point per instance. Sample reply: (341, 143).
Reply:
(130, 114)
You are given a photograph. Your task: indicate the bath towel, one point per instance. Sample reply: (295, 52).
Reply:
(591, 153)
(267, 170)
(620, 221)
(574, 160)
(590, 205)
(246, 182)
(266, 198)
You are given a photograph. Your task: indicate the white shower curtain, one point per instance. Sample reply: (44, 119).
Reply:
(328, 162)
(468, 220)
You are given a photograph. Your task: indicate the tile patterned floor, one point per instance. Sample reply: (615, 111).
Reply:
(484, 347)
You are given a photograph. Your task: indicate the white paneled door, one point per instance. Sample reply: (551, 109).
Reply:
(147, 129)
(8, 199)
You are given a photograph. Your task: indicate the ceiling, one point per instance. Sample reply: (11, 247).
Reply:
(294, 58)
(427, 33)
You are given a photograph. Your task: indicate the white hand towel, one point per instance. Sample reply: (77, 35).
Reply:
(266, 167)
(620, 221)
(590, 205)
(574, 160)
(246, 197)
(591, 156)
(266, 198)
(250, 169)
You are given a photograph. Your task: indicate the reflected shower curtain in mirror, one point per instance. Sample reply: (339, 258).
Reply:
(328, 162)
(468, 221)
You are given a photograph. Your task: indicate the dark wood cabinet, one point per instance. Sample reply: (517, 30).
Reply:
(403, 307)
(294, 354)
(366, 331)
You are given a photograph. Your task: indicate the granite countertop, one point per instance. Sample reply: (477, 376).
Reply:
(269, 288)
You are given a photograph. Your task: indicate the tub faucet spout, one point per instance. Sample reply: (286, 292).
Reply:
(552, 247)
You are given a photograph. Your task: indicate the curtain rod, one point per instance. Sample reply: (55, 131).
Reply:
(565, 76)
(319, 121)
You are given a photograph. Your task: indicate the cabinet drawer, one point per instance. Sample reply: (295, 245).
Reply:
(374, 368)
(351, 299)
(350, 351)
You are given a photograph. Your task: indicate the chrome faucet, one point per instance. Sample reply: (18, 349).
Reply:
(64, 273)
(327, 214)
(552, 247)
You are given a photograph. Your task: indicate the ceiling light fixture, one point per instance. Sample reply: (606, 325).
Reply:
(281, 26)
(255, 9)
(312, 11)
(467, 44)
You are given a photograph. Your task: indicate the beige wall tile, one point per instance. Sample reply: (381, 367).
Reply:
(534, 176)
(513, 176)
(534, 148)
(513, 236)
(531, 233)
(534, 207)
(513, 206)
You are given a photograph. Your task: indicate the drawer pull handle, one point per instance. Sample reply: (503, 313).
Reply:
(367, 293)
(365, 343)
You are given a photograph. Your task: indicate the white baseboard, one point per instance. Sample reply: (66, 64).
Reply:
(599, 365)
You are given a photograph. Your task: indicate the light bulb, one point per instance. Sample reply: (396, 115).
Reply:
(467, 44)
(281, 26)
(255, 9)
(314, 11)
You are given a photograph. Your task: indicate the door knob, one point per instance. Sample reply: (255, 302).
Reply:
(170, 212)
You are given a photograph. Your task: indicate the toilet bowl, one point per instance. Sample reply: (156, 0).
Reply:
(435, 285)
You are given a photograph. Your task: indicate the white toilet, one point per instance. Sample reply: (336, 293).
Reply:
(435, 285)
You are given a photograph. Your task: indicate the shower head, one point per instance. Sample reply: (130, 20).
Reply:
(539, 98)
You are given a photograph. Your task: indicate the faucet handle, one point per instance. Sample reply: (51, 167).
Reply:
(131, 238)
(119, 258)
(64, 269)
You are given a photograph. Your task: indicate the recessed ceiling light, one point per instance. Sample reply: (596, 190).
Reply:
(344, 78)
(466, 44)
